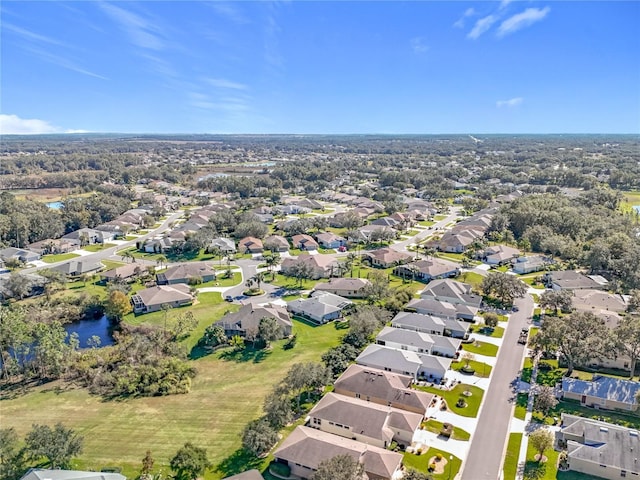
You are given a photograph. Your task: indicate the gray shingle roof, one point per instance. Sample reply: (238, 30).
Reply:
(42, 474)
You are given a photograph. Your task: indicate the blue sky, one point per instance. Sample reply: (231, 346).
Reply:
(320, 67)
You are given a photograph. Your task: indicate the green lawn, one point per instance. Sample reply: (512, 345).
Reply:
(225, 395)
(541, 471)
(200, 256)
(294, 284)
(511, 458)
(481, 348)
(437, 218)
(110, 264)
(496, 332)
(527, 368)
(451, 397)
(60, 257)
(436, 427)
(521, 406)
(472, 278)
(96, 247)
(235, 279)
(482, 369)
(421, 463)
(426, 223)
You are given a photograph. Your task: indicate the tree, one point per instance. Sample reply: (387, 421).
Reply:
(305, 376)
(627, 339)
(556, 299)
(269, 330)
(378, 288)
(259, 437)
(467, 358)
(578, 337)
(272, 262)
(12, 461)
(541, 440)
(545, 399)
(147, 464)
(117, 305)
(185, 324)
(18, 285)
(503, 286)
(491, 319)
(190, 462)
(412, 474)
(634, 301)
(277, 410)
(337, 359)
(213, 336)
(340, 467)
(58, 444)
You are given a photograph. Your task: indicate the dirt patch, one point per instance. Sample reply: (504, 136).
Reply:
(440, 464)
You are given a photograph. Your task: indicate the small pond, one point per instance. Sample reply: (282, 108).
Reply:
(85, 329)
(55, 205)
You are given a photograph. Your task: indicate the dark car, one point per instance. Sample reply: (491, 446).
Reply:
(228, 298)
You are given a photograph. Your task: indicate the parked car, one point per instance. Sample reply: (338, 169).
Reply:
(342, 248)
(228, 298)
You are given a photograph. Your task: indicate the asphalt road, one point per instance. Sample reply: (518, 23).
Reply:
(486, 455)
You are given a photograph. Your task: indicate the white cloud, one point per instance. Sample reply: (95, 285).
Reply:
(418, 45)
(224, 83)
(504, 3)
(62, 62)
(229, 11)
(469, 12)
(142, 32)
(14, 125)
(512, 102)
(31, 36)
(482, 26)
(522, 20)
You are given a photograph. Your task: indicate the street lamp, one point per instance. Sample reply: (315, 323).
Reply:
(450, 460)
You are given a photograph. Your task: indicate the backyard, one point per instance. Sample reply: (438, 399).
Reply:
(225, 395)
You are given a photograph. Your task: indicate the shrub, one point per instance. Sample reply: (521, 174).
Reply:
(432, 466)
(438, 456)
(280, 469)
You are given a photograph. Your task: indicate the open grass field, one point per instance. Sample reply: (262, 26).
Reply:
(60, 257)
(227, 392)
(511, 458)
(451, 397)
(630, 199)
(41, 194)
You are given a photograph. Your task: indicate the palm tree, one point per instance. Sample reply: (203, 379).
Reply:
(258, 278)
(161, 260)
(350, 261)
(126, 255)
(272, 262)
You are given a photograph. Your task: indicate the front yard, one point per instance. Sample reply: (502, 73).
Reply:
(436, 427)
(60, 257)
(421, 463)
(452, 396)
(481, 348)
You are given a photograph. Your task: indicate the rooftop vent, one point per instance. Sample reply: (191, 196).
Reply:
(604, 429)
(633, 433)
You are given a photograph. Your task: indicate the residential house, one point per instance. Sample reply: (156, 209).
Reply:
(265, 218)
(573, 280)
(597, 301)
(75, 268)
(126, 272)
(225, 245)
(309, 203)
(276, 243)
(247, 319)
(22, 254)
(387, 257)
(529, 264)
(304, 242)
(451, 291)
(428, 269)
(248, 475)
(404, 362)
(330, 240)
(500, 254)
(54, 246)
(305, 448)
(322, 266)
(600, 449)
(438, 308)
(158, 244)
(320, 308)
(44, 474)
(152, 299)
(250, 245)
(430, 324)
(90, 236)
(345, 287)
(363, 421)
(602, 392)
(367, 232)
(455, 242)
(192, 272)
(383, 388)
(386, 222)
(418, 342)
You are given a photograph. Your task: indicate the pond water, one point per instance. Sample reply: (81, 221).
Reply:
(55, 205)
(85, 329)
(637, 208)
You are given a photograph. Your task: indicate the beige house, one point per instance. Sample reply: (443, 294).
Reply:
(600, 449)
(383, 388)
(250, 245)
(186, 272)
(363, 421)
(152, 299)
(602, 392)
(387, 257)
(322, 266)
(345, 287)
(305, 448)
(247, 319)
